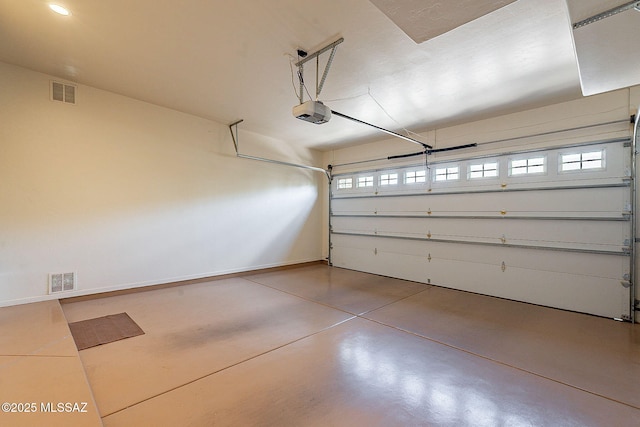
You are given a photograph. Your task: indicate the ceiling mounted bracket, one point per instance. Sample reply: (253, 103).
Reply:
(608, 13)
(316, 55)
(236, 136)
(236, 140)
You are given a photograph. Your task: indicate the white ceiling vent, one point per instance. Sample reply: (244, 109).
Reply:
(62, 282)
(63, 92)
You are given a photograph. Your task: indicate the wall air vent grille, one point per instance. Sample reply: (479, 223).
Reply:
(63, 92)
(62, 282)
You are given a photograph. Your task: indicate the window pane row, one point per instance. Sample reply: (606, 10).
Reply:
(591, 160)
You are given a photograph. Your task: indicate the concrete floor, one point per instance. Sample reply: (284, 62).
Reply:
(40, 368)
(321, 346)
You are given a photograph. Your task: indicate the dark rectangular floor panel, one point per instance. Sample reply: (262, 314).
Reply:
(103, 330)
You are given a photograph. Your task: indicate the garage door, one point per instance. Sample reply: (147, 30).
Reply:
(549, 227)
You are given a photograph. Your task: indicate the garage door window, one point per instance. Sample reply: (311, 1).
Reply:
(582, 161)
(483, 170)
(365, 181)
(345, 183)
(533, 165)
(447, 174)
(389, 179)
(415, 177)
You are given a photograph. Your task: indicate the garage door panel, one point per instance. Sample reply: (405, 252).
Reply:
(389, 264)
(576, 263)
(560, 238)
(535, 286)
(610, 202)
(576, 234)
(560, 281)
(615, 161)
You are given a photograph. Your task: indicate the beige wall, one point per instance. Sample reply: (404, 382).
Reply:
(127, 194)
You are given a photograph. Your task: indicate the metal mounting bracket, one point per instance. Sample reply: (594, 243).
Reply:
(607, 13)
(236, 140)
(316, 55)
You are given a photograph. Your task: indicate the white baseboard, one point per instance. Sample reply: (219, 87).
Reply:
(163, 281)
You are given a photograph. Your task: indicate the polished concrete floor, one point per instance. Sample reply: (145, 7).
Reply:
(40, 368)
(321, 346)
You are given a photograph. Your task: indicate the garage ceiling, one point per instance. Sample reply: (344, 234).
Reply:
(231, 60)
(423, 20)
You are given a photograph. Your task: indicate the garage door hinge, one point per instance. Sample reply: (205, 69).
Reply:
(625, 283)
(626, 250)
(503, 267)
(636, 304)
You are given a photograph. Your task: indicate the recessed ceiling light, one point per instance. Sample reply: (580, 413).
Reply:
(59, 9)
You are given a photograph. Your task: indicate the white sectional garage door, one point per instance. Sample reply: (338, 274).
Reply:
(549, 227)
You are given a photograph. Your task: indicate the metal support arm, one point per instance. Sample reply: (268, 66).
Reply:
(236, 140)
(406, 138)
